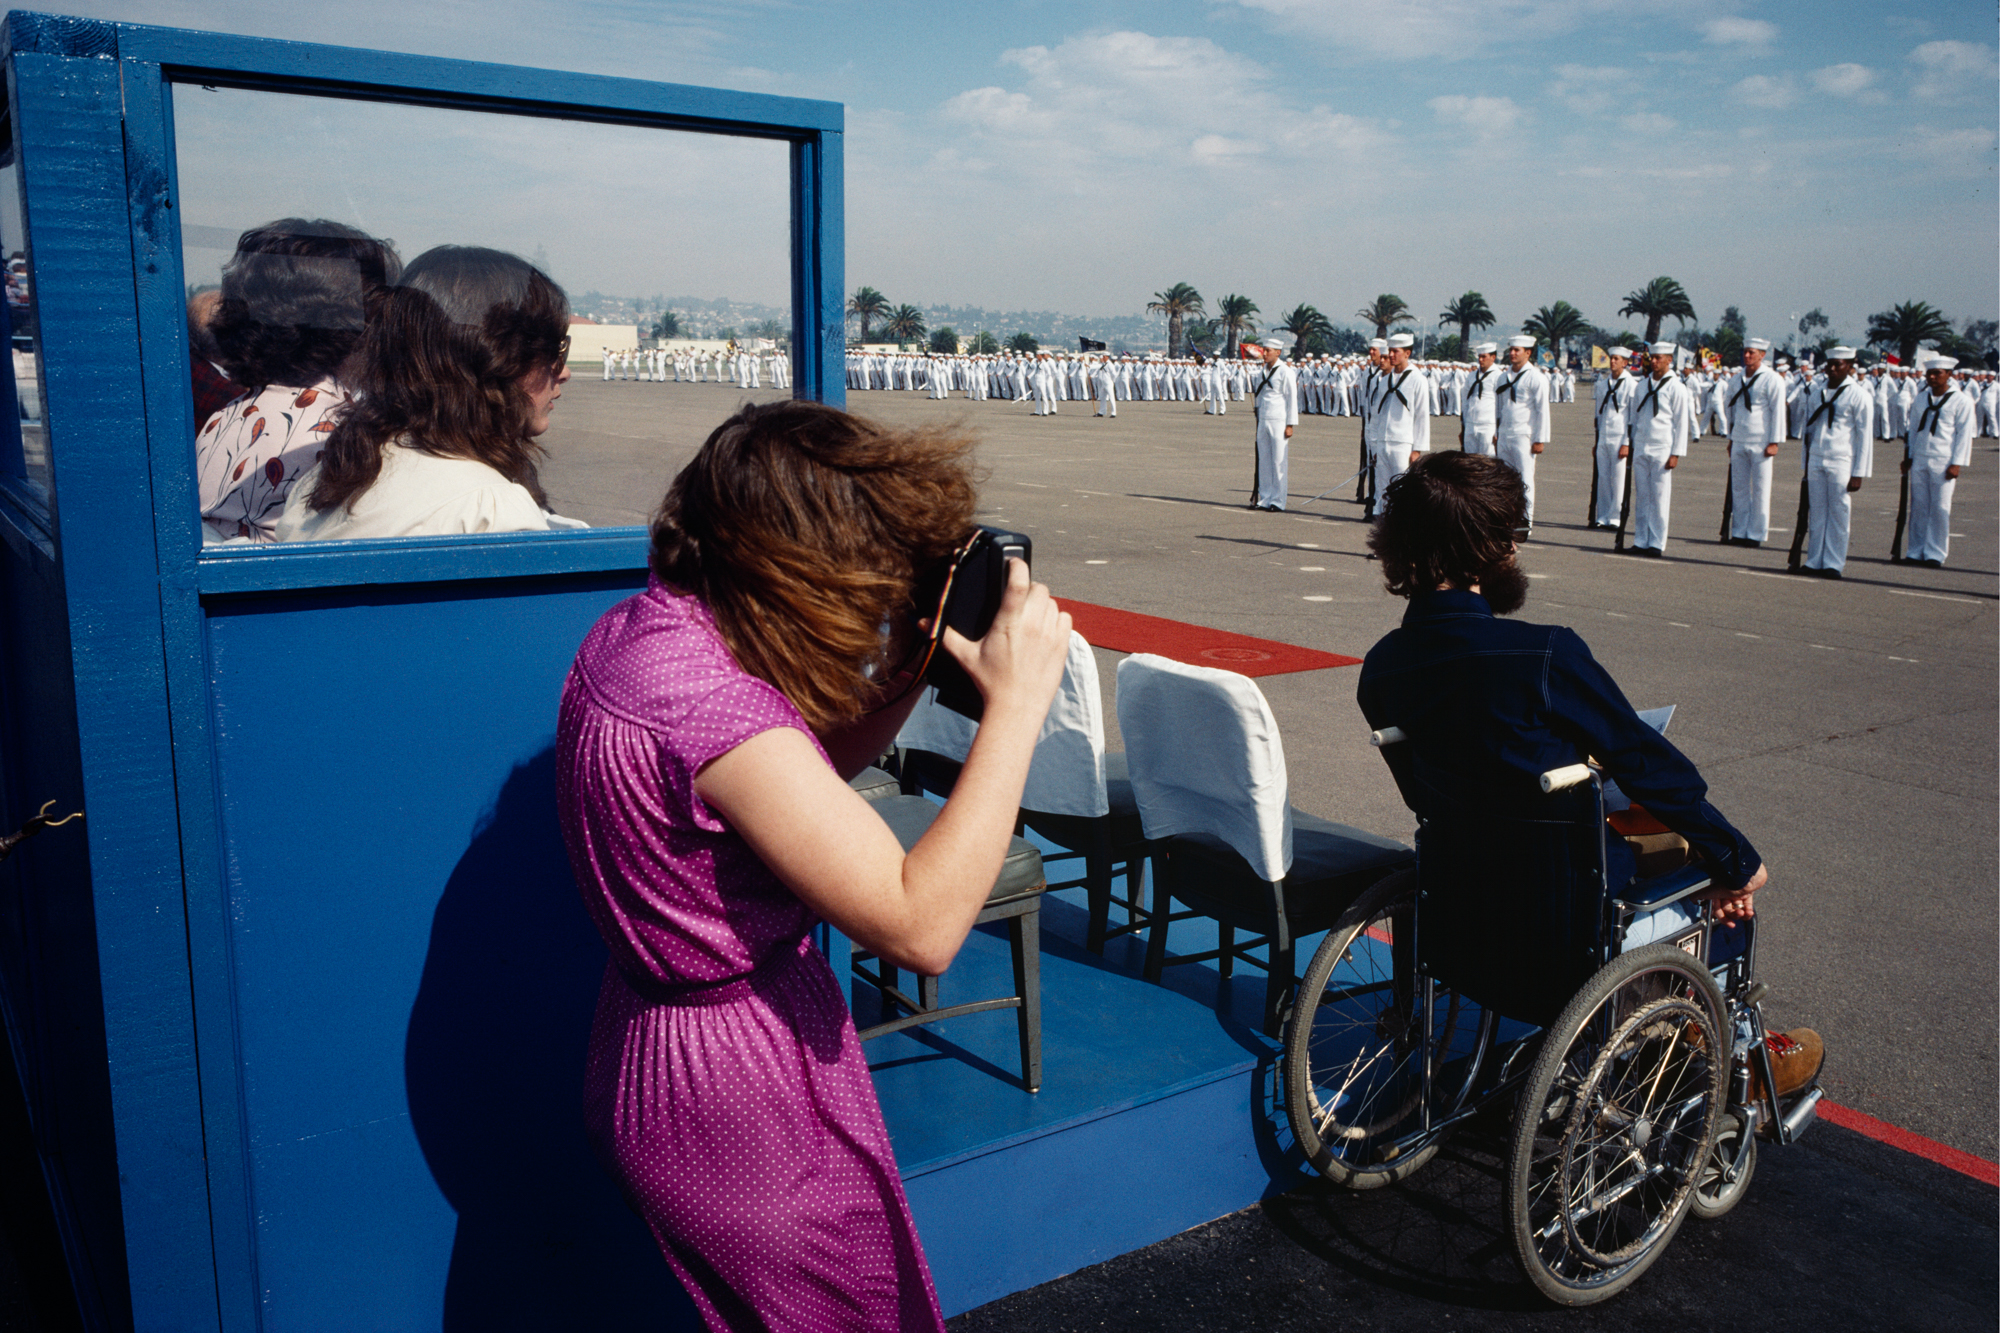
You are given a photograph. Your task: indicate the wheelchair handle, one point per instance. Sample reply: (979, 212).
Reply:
(1557, 779)
(1386, 736)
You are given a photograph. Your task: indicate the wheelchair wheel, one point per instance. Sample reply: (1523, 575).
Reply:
(1616, 1124)
(1354, 1052)
(1715, 1195)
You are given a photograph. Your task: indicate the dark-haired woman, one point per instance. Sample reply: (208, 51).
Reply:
(458, 373)
(288, 322)
(706, 734)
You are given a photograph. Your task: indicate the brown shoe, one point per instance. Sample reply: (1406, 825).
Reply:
(1795, 1060)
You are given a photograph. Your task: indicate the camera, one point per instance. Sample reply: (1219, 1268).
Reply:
(974, 583)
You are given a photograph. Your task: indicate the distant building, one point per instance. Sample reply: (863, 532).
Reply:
(589, 340)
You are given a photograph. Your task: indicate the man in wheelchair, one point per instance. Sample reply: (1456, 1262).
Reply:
(1487, 706)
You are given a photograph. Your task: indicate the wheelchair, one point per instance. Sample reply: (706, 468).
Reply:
(1499, 969)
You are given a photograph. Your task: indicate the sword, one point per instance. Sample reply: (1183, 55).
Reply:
(1331, 489)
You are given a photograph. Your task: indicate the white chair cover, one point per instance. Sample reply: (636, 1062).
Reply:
(1205, 757)
(1066, 776)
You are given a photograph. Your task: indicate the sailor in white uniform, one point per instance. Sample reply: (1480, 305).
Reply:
(1476, 421)
(1940, 447)
(1616, 390)
(1661, 425)
(1837, 450)
(1274, 393)
(1521, 413)
(1399, 415)
(1754, 403)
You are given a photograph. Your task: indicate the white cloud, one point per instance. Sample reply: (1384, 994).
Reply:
(1435, 29)
(1967, 152)
(1587, 89)
(1764, 90)
(1847, 80)
(1739, 32)
(1488, 117)
(1945, 68)
(1648, 122)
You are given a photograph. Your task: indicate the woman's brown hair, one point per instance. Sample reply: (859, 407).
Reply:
(804, 530)
(443, 365)
(1447, 522)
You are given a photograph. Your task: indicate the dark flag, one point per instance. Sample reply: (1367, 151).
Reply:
(1088, 345)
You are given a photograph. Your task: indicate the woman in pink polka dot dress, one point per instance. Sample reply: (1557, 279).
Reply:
(707, 731)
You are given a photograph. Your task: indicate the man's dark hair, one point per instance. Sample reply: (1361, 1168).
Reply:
(295, 297)
(1449, 520)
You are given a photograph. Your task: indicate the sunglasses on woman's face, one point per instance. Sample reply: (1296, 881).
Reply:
(562, 355)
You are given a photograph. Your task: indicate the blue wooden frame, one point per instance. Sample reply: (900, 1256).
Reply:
(162, 1235)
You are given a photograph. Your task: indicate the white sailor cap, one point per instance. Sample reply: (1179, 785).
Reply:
(1622, 353)
(1379, 344)
(1756, 344)
(1840, 353)
(1401, 340)
(1485, 349)
(1941, 363)
(1273, 343)
(1662, 349)
(1520, 340)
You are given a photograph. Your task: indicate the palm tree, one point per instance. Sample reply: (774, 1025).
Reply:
(1383, 311)
(905, 324)
(1655, 302)
(1233, 314)
(668, 325)
(1469, 312)
(1556, 325)
(868, 304)
(1305, 323)
(1906, 325)
(1023, 342)
(1176, 303)
(1199, 335)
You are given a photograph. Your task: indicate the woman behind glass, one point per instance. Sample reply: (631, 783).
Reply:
(458, 374)
(287, 324)
(707, 731)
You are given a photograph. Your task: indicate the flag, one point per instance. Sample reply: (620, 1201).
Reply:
(1598, 360)
(1084, 344)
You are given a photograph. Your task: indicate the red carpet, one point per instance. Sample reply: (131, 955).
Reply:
(1197, 645)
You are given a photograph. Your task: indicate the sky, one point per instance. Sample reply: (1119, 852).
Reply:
(1035, 154)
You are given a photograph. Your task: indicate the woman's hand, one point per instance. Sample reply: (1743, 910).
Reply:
(1019, 661)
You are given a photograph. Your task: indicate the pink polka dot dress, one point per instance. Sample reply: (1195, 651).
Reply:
(725, 1090)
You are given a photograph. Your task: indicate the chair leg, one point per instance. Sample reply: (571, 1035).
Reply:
(1156, 929)
(927, 992)
(1277, 985)
(890, 981)
(1026, 932)
(1225, 939)
(1135, 884)
(1097, 885)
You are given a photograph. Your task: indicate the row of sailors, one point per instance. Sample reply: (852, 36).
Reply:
(694, 365)
(1645, 423)
(1327, 385)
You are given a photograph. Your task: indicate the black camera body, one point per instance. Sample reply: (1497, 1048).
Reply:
(978, 581)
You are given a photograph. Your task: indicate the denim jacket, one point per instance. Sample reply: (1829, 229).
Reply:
(1489, 705)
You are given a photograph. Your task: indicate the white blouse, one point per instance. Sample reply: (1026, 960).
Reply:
(418, 495)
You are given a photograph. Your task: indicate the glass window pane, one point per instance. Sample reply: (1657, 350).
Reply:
(34, 457)
(671, 251)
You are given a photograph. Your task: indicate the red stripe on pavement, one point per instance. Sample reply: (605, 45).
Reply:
(1197, 645)
(1928, 1149)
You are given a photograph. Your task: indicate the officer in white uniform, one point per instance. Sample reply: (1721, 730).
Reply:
(1476, 424)
(1754, 404)
(1521, 413)
(1399, 415)
(1616, 390)
(1837, 449)
(1940, 447)
(1274, 393)
(1104, 379)
(1661, 425)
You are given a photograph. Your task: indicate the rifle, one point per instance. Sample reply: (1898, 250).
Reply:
(1728, 492)
(1902, 510)
(1590, 516)
(1625, 505)
(1805, 515)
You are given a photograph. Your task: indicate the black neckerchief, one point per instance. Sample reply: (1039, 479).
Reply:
(1825, 407)
(1270, 372)
(1653, 395)
(1479, 383)
(1744, 392)
(1611, 399)
(1928, 418)
(1396, 388)
(1508, 387)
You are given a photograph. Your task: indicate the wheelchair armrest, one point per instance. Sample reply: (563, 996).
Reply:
(1648, 895)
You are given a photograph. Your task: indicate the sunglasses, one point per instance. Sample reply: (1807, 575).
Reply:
(562, 355)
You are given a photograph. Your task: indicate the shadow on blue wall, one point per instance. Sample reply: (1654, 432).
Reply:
(494, 1066)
